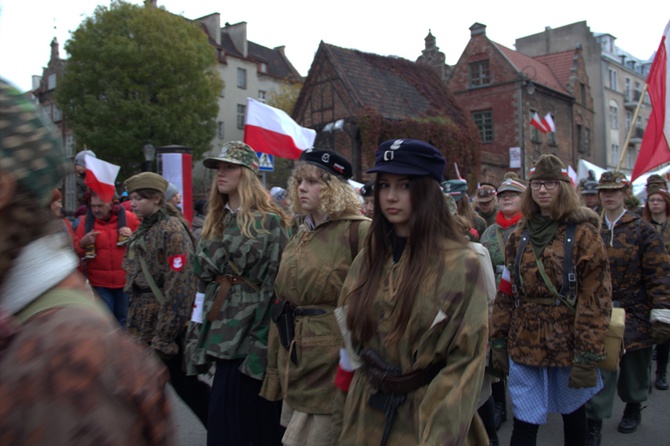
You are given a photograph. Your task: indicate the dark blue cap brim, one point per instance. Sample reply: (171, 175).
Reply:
(399, 169)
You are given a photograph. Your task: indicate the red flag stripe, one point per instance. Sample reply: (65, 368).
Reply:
(273, 143)
(101, 189)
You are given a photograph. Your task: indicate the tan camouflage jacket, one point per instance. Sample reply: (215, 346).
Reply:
(553, 335)
(313, 268)
(241, 329)
(166, 245)
(449, 322)
(640, 275)
(71, 376)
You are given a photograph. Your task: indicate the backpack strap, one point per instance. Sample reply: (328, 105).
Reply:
(57, 298)
(569, 289)
(353, 238)
(517, 286)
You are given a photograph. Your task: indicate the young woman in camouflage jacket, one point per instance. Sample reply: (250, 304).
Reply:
(312, 271)
(236, 263)
(554, 344)
(416, 314)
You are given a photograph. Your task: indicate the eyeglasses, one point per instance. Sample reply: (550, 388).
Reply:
(655, 200)
(549, 185)
(510, 195)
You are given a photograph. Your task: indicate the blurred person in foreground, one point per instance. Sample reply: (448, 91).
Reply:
(68, 374)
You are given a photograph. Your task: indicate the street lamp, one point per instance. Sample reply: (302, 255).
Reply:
(149, 153)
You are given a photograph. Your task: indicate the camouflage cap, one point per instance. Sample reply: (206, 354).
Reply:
(234, 152)
(657, 180)
(612, 180)
(549, 167)
(657, 188)
(146, 180)
(31, 151)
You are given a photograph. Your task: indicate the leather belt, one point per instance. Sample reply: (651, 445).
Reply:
(225, 281)
(302, 311)
(386, 382)
(541, 300)
(233, 279)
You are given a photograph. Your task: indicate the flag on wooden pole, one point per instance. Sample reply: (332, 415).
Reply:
(655, 149)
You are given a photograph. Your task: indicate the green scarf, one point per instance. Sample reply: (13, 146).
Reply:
(541, 231)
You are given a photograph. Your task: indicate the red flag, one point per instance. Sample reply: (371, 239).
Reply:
(535, 122)
(548, 123)
(270, 130)
(100, 177)
(655, 150)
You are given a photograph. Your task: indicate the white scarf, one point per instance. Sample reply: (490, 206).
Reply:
(39, 267)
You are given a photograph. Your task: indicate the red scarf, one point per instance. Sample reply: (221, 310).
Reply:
(504, 222)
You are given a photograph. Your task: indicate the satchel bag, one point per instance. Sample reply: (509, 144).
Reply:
(614, 347)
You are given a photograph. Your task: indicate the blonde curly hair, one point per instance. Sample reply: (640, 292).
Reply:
(337, 197)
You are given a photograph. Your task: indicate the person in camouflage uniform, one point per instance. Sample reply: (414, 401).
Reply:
(414, 311)
(554, 343)
(236, 263)
(656, 211)
(641, 285)
(160, 282)
(494, 239)
(312, 271)
(487, 203)
(68, 375)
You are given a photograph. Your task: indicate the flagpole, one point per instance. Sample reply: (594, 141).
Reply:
(632, 127)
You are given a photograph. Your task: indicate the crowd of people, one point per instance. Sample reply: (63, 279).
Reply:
(402, 312)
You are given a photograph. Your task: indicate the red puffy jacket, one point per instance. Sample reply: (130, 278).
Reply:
(105, 270)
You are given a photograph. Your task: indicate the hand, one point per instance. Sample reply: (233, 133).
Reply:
(88, 239)
(582, 376)
(660, 332)
(125, 231)
(500, 359)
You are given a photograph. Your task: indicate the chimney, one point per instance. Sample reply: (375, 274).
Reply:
(477, 29)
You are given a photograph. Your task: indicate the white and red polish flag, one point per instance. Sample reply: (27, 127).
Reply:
(100, 177)
(273, 131)
(548, 123)
(537, 123)
(655, 149)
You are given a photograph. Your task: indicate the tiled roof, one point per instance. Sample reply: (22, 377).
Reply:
(396, 88)
(277, 65)
(539, 73)
(561, 64)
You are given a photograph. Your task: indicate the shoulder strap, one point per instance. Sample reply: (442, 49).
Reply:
(151, 282)
(569, 289)
(517, 285)
(353, 238)
(57, 298)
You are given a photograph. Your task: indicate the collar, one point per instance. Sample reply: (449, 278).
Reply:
(610, 225)
(50, 258)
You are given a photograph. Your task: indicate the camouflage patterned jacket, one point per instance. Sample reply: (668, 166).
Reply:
(640, 275)
(449, 322)
(494, 239)
(166, 245)
(313, 268)
(663, 230)
(553, 335)
(241, 329)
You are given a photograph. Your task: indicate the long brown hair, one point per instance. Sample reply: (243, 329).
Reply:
(646, 213)
(430, 223)
(253, 196)
(566, 203)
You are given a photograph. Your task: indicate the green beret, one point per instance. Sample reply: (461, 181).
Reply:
(146, 180)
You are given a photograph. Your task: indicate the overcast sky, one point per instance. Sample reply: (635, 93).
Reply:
(27, 27)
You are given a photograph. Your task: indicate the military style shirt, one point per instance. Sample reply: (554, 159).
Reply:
(448, 323)
(553, 335)
(640, 275)
(312, 272)
(166, 245)
(241, 329)
(494, 239)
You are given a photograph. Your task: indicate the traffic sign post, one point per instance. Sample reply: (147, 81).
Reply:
(266, 162)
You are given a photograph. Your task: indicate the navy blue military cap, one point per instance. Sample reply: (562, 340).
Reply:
(330, 161)
(367, 189)
(409, 157)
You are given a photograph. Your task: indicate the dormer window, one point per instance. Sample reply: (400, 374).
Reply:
(262, 67)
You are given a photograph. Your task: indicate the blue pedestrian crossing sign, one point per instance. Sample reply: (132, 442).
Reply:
(267, 162)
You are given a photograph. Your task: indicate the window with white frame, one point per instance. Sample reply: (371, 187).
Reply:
(629, 119)
(242, 78)
(614, 117)
(51, 81)
(484, 122)
(615, 153)
(587, 141)
(479, 73)
(262, 96)
(631, 156)
(241, 110)
(613, 77)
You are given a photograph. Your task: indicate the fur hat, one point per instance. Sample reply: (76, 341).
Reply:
(512, 183)
(235, 152)
(612, 180)
(549, 167)
(146, 180)
(29, 147)
(409, 157)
